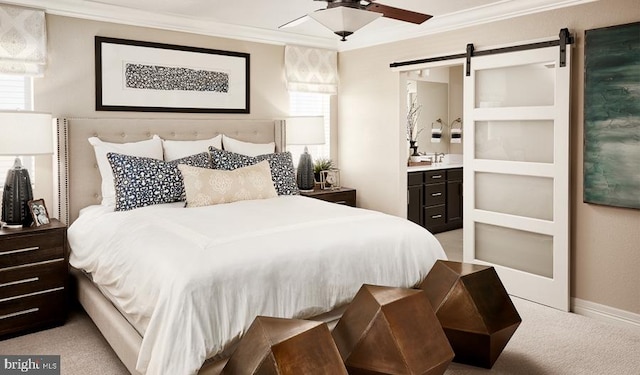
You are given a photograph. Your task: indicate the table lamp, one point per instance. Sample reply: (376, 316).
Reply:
(22, 133)
(305, 131)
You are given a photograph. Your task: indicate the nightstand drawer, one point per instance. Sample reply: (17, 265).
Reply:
(434, 194)
(19, 250)
(34, 278)
(344, 197)
(434, 216)
(32, 312)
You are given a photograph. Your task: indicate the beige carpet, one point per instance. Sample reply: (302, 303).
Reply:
(547, 342)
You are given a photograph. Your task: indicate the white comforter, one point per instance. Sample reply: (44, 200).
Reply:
(193, 279)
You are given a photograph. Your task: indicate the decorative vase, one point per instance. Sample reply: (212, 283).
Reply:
(414, 148)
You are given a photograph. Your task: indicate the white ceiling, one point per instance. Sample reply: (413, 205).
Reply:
(258, 20)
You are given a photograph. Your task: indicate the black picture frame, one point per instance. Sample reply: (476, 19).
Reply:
(139, 76)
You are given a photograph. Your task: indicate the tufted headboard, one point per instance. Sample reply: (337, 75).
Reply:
(79, 182)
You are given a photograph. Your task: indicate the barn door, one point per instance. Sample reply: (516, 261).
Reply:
(516, 171)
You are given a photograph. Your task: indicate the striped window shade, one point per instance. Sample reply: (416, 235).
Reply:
(311, 69)
(23, 41)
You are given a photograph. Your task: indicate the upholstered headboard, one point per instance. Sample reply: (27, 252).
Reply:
(79, 180)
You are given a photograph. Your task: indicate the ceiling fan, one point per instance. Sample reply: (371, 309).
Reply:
(344, 17)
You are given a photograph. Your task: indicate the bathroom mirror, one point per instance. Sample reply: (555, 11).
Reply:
(438, 92)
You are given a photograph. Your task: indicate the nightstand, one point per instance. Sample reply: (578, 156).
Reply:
(34, 267)
(342, 195)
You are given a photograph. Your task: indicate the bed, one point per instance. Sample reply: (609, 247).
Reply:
(176, 288)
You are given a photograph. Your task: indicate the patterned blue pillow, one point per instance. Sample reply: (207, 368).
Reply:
(282, 172)
(141, 181)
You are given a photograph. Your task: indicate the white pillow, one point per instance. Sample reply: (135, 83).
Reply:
(174, 150)
(151, 148)
(247, 148)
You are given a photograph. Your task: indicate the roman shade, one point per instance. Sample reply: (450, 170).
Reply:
(23, 41)
(311, 69)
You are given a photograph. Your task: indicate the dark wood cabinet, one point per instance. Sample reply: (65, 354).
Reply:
(342, 195)
(434, 199)
(33, 278)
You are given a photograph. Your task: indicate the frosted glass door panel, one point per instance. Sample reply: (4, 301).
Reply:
(525, 196)
(516, 86)
(528, 141)
(520, 250)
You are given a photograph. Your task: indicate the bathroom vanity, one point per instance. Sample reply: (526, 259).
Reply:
(434, 196)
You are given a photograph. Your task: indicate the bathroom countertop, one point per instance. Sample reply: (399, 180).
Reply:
(434, 167)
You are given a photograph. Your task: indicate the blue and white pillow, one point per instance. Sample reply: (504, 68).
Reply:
(141, 181)
(282, 171)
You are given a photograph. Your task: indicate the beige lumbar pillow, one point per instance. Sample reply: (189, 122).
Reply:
(205, 187)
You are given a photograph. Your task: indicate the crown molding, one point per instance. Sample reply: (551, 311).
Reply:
(134, 17)
(500, 10)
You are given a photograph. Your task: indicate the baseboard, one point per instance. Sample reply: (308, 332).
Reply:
(607, 314)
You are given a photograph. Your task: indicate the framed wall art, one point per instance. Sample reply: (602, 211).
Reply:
(153, 77)
(612, 116)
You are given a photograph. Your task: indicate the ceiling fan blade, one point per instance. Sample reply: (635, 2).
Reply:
(397, 13)
(296, 22)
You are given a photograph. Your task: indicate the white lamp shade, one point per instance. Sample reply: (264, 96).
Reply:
(25, 133)
(341, 19)
(305, 130)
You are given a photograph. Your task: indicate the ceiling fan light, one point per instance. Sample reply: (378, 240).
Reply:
(344, 21)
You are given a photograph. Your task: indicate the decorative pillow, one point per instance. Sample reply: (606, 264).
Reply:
(179, 149)
(151, 148)
(205, 187)
(143, 181)
(282, 172)
(247, 148)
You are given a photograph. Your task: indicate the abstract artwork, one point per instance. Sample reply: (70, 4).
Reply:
(612, 116)
(153, 77)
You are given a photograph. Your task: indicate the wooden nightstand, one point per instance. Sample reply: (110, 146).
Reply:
(34, 267)
(342, 195)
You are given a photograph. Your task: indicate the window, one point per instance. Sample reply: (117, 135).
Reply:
(16, 93)
(311, 104)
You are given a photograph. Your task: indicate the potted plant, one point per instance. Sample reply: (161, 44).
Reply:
(321, 164)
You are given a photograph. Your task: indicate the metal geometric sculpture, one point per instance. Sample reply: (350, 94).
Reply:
(474, 310)
(285, 347)
(388, 330)
(16, 195)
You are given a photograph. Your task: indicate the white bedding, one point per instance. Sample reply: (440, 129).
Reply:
(192, 280)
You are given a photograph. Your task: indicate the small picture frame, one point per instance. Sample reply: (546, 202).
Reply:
(330, 179)
(39, 212)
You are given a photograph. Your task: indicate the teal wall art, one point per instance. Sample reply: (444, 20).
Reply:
(612, 116)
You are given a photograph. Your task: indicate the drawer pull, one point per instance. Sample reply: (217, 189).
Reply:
(20, 250)
(24, 281)
(438, 176)
(18, 313)
(436, 216)
(436, 194)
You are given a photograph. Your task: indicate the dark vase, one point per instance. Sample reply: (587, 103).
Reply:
(414, 148)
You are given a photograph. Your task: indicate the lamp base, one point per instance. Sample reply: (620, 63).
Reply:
(16, 196)
(305, 178)
(13, 226)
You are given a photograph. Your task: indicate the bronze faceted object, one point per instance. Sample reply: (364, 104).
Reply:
(276, 346)
(391, 331)
(474, 310)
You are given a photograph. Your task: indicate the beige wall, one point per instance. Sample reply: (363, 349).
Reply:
(68, 87)
(605, 249)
